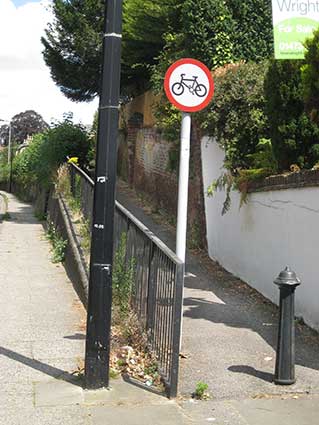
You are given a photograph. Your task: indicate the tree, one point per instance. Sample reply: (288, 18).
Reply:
(294, 136)
(72, 47)
(39, 162)
(26, 124)
(4, 134)
(155, 33)
(253, 33)
(145, 22)
(73, 44)
(310, 78)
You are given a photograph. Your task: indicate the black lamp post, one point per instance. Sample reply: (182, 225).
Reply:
(100, 284)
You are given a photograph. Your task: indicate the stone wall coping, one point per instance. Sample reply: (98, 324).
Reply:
(296, 180)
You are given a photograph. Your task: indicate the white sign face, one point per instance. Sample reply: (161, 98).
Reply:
(294, 21)
(189, 85)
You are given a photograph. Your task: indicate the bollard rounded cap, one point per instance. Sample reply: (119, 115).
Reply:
(287, 277)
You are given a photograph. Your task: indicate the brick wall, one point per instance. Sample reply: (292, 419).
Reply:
(145, 155)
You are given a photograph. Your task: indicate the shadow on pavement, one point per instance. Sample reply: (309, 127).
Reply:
(76, 336)
(42, 367)
(248, 370)
(262, 320)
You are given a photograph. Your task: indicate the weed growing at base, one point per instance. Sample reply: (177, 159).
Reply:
(58, 244)
(201, 391)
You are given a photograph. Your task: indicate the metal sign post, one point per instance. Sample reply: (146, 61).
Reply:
(100, 285)
(190, 87)
(183, 186)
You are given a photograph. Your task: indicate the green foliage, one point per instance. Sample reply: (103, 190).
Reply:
(85, 236)
(253, 35)
(292, 132)
(155, 33)
(236, 116)
(113, 374)
(263, 157)
(261, 164)
(207, 26)
(201, 390)
(216, 33)
(310, 77)
(28, 167)
(73, 45)
(6, 216)
(144, 24)
(123, 278)
(224, 182)
(4, 168)
(38, 163)
(58, 244)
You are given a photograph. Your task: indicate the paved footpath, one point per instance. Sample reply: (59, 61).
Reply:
(42, 345)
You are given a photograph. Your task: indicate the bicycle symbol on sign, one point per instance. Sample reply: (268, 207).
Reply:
(195, 88)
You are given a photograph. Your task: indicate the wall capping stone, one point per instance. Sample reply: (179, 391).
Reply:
(298, 180)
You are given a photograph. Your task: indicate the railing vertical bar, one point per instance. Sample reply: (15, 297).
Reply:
(157, 311)
(169, 318)
(162, 324)
(154, 292)
(165, 307)
(150, 291)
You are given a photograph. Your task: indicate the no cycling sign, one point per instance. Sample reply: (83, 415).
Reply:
(189, 85)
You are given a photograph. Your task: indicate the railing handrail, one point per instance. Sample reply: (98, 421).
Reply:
(83, 173)
(171, 254)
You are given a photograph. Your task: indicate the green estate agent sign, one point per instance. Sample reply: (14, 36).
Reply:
(294, 21)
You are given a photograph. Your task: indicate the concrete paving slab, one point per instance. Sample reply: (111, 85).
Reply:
(15, 395)
(138, 415)
(60, 348)
(45, 416)
(124, 393)
(57, 393)
(298, 411)
(205, 412)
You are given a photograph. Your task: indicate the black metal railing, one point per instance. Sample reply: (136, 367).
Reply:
(159, 279)
(82, 190)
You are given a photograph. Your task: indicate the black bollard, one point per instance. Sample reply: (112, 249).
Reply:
(285, 360)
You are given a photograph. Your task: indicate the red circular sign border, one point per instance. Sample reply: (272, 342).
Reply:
(168, 92)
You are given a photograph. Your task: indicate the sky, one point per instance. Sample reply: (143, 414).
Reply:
(25, 81)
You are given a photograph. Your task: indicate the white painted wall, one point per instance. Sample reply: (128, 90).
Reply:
(272, 230)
